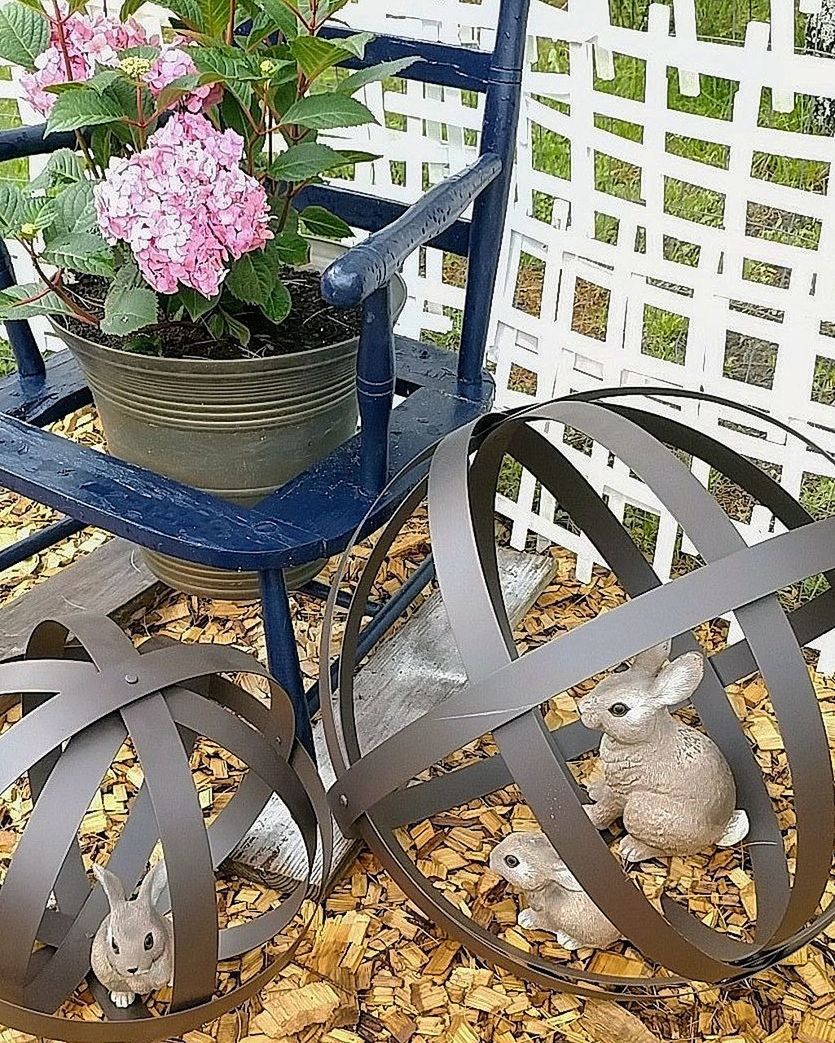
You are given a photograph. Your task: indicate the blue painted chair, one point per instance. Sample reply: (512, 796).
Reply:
(315, 514)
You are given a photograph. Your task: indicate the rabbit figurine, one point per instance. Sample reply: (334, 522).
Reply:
(555, 900)
(133, 950)
(668, 781)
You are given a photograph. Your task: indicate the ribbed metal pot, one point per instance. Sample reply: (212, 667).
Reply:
(238, 429)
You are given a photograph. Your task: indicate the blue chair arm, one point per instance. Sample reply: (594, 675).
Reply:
(19, 142)
(139, 505)
(370, 264)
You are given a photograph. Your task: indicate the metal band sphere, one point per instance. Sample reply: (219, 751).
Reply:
(376, 791)
(82, 700)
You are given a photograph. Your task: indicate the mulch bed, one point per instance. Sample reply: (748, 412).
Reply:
(375, 968)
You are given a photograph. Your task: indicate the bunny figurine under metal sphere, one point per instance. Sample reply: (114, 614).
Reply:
(555, 900)
(133, 950)
(668, 781)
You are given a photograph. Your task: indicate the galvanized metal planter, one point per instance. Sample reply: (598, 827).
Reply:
(405, 779)
(86, 690)
(238, 429)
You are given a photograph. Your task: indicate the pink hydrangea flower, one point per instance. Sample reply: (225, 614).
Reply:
(184, 206)
(172, 63)
(91, 40)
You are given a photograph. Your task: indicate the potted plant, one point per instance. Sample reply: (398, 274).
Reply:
(170, 256)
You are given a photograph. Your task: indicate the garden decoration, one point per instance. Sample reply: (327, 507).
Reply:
(312, 515)
(667, 780)
(169, 252)
(379, 790)
(133, 950)
(554, 900)
(86, 691)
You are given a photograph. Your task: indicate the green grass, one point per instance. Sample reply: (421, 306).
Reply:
(716, 19)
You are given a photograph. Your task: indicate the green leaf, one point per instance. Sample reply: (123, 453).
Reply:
(48, 304)
(75, 211)
(129, 9)
(228, 63)
(84, 108)
(350, 157)
(11, 207)
(319, 221)
(304, 161)
(236, 329)
(214, 16)
(195, 303)
(314, 54)
(39, 212)
(24, 34)
(128, 308)
(278, 304)
(283, 17)
(251, 277)
(356, 44)
(327, 111)
(81, 252)
(182, 87)
(104, 78)
(351, 84)
(232, 66)
(63, 167)
(290, 248)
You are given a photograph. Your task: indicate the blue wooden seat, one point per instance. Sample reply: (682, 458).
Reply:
(316, 513)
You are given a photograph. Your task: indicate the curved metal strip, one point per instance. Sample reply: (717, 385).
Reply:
(94, 694)
(45, 843)
(103, 640)
(185, 847)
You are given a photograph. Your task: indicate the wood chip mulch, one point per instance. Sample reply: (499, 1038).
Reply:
(374, 968)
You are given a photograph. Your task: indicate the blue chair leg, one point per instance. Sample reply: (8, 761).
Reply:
(282, 651)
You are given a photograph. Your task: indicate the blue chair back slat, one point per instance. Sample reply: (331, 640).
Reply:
(20, 143)
(361, 210)
(439, 63)
(501, 114)
(29, 360)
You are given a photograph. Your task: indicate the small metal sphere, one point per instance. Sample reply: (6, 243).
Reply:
(391, 785)
(76, 716)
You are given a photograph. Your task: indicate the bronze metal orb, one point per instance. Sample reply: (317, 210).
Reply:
(85, 690)
(380, 789)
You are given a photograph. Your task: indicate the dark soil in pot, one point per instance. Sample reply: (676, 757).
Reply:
(310, 324)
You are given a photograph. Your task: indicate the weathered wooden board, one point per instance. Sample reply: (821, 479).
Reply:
(424, 657)
(110, 579)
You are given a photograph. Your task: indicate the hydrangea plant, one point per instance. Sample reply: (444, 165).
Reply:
(189, 154)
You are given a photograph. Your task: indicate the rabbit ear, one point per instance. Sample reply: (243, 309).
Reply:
(679, 679)
(557, 869)
(155, 882)
(651, 661)
(112, 885)
(564, 877)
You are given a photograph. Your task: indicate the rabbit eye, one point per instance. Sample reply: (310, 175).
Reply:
(618, 709)
(149, 941)
(511, 860)
(114, 946)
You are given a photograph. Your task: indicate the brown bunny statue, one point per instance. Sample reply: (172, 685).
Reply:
(668, 780)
